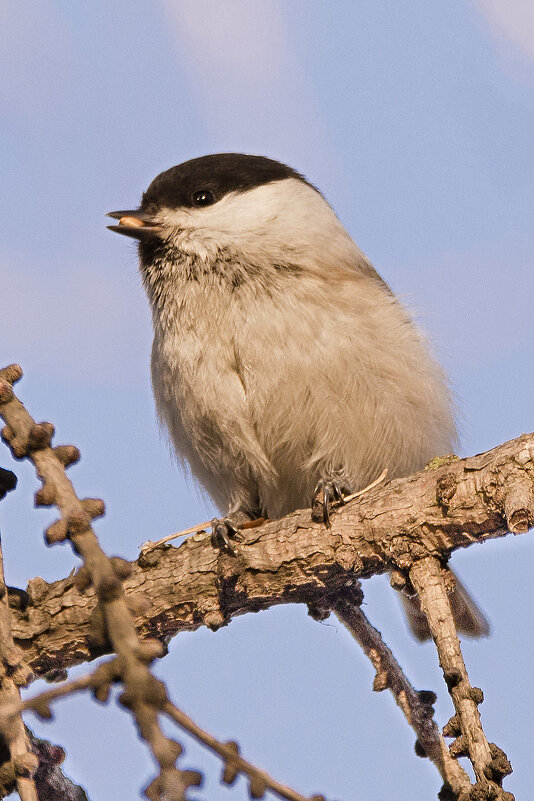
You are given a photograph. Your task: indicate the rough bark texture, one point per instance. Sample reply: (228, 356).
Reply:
(408, 527)
(416, 705)
(490, 764)
(431, 513)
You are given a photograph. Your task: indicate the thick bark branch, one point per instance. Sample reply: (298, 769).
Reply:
(431, 513)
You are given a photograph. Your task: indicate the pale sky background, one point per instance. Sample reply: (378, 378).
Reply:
(416, 120)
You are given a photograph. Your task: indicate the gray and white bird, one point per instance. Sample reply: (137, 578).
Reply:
(281, 360)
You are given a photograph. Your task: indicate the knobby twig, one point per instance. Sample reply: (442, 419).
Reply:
(489, 762)
(48, 779)
(144, 694)
(100, 680)
(415, 705)
(234, 764)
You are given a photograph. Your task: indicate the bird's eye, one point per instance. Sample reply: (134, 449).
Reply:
(203, 197)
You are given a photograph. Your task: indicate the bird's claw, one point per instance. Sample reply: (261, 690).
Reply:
(222, 531)
(326, 492)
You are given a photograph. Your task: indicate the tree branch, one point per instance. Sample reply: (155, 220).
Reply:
(113, 624)
(489, 762)
(234, 763)
(291, 560)
(416, 706)
(409, 526)
(99, 682)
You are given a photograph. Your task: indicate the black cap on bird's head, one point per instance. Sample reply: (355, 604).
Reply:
(199, 182)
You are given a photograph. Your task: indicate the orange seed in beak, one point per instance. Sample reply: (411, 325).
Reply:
(131, 222)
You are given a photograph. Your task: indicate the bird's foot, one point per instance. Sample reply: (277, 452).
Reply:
(222, 532)
(328, 491)
(242, 514)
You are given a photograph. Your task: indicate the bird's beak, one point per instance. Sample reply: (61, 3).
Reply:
(134, 222)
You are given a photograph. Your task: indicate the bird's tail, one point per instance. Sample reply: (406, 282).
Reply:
(468, 617)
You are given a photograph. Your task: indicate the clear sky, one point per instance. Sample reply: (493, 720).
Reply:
(416, 121)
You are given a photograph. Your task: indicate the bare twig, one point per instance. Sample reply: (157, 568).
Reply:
(144, 694)
(99, 681)
(40, 703)
(234, 764)
(382, 477)
(198, 529)
(415, 705)
(426, 576)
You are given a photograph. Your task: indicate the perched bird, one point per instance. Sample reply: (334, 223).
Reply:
(283, 366)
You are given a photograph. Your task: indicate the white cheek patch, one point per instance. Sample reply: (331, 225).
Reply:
(238, 212)
(282, 220)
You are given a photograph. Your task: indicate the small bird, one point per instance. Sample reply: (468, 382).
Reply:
(283, 366)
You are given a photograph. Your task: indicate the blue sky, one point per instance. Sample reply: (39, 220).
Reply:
(416, 121)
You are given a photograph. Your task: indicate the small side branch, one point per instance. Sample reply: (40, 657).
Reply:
(112, 625)
(415, 705)
(99, 682)
(489, 762)
(234, 764)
